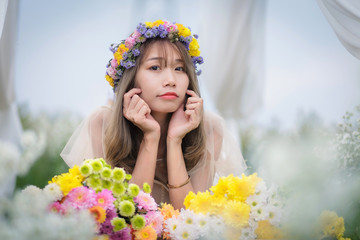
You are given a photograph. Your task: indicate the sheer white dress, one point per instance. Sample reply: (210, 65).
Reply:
(222, 157)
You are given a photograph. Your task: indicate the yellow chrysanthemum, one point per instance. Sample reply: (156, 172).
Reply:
(188, 199)
(110, 80)
(183, 31)
(222, 187)
(243, 187)
(267, 231)
(202, 203)
(149, 24)
(158, 22)
(146, 233)
(236, 214)
(331, 224)
(69, 180)
(118, 54)
(194, 48)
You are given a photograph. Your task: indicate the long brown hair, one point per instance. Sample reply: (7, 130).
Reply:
(123, 138)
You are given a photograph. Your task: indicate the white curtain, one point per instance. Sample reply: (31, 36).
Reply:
(10, 126)
(344, 18)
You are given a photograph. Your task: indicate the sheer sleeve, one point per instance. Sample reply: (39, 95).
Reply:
(88, 139)
(223, 155)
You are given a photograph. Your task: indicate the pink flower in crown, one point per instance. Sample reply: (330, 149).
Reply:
(130, 42)
(114, 63)
(80, 198)
(145, 201)
(136, 35)
(105, 199)
(155, 220)
(171, 27)
(110, 70)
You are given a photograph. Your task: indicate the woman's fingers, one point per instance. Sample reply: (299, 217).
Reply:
(128, 96)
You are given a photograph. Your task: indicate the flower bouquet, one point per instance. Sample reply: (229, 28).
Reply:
(121, 209)
(234, 208)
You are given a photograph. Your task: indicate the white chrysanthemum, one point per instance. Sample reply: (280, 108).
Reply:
(171, 225)
(253, 224)
(186, 232)
(259, 213)
(248, 233)
(203, 223)
(275, 215)
(217, 226)
(53, 192)
(255, 200)
(188, 217)
(260, 188)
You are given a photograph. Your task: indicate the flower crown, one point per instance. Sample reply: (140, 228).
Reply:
(128, 50)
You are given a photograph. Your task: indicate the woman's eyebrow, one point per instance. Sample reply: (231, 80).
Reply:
(155, 58)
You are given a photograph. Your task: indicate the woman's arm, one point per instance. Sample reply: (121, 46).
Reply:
(137, 111)
(181, 123)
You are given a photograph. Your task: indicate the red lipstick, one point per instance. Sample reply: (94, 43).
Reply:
(169, 95)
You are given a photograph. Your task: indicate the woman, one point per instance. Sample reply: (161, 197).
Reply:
(156, 128)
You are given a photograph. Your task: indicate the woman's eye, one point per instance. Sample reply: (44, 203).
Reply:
(155, 68)
(180, 69)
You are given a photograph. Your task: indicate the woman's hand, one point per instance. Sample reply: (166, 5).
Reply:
(181, 121)
(137, 111)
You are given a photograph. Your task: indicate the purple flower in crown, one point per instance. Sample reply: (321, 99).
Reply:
(198, 72)
(188, 39)
(125, 55)
(196, 36)
(163, 34)
(136, 52)
(119, 73)
(155, 31)
(161, 27)
(149, 33)
(141, 28)
(129, 64)
(113, 47)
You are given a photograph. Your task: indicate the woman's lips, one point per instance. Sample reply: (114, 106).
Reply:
(169, 95)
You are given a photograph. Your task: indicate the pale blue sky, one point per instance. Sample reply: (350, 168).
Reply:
(62, 53)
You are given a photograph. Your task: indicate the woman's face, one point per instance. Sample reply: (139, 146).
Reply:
(162, 78)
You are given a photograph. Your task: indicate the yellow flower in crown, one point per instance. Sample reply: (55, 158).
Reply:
(194, 48)
(158, 23)
(149, 24)
(183, 31)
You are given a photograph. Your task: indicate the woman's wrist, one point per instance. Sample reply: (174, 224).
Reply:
(173, 140)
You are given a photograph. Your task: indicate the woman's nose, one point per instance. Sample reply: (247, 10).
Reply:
(169, 78)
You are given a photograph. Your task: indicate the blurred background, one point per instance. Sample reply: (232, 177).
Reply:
(277, 71)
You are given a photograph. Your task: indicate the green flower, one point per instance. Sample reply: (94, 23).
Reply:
(128, 177)
(146, 188)
(118, 174)
(118, 189)
(106, 173)
(106, 184)
(118, 223)
(85, 170)
(97, 165)
(104, 163)
(93, 181)
(126, 208)
(133, 189)
(138, 222)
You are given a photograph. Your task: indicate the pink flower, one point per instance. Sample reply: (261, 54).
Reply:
(111, 72)
(105, 199)
(155, 220)
(136, 35)
(57, 207)
(80, 198)
(114, 63)
(145, 201)
(171, 27)
(129, 42)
